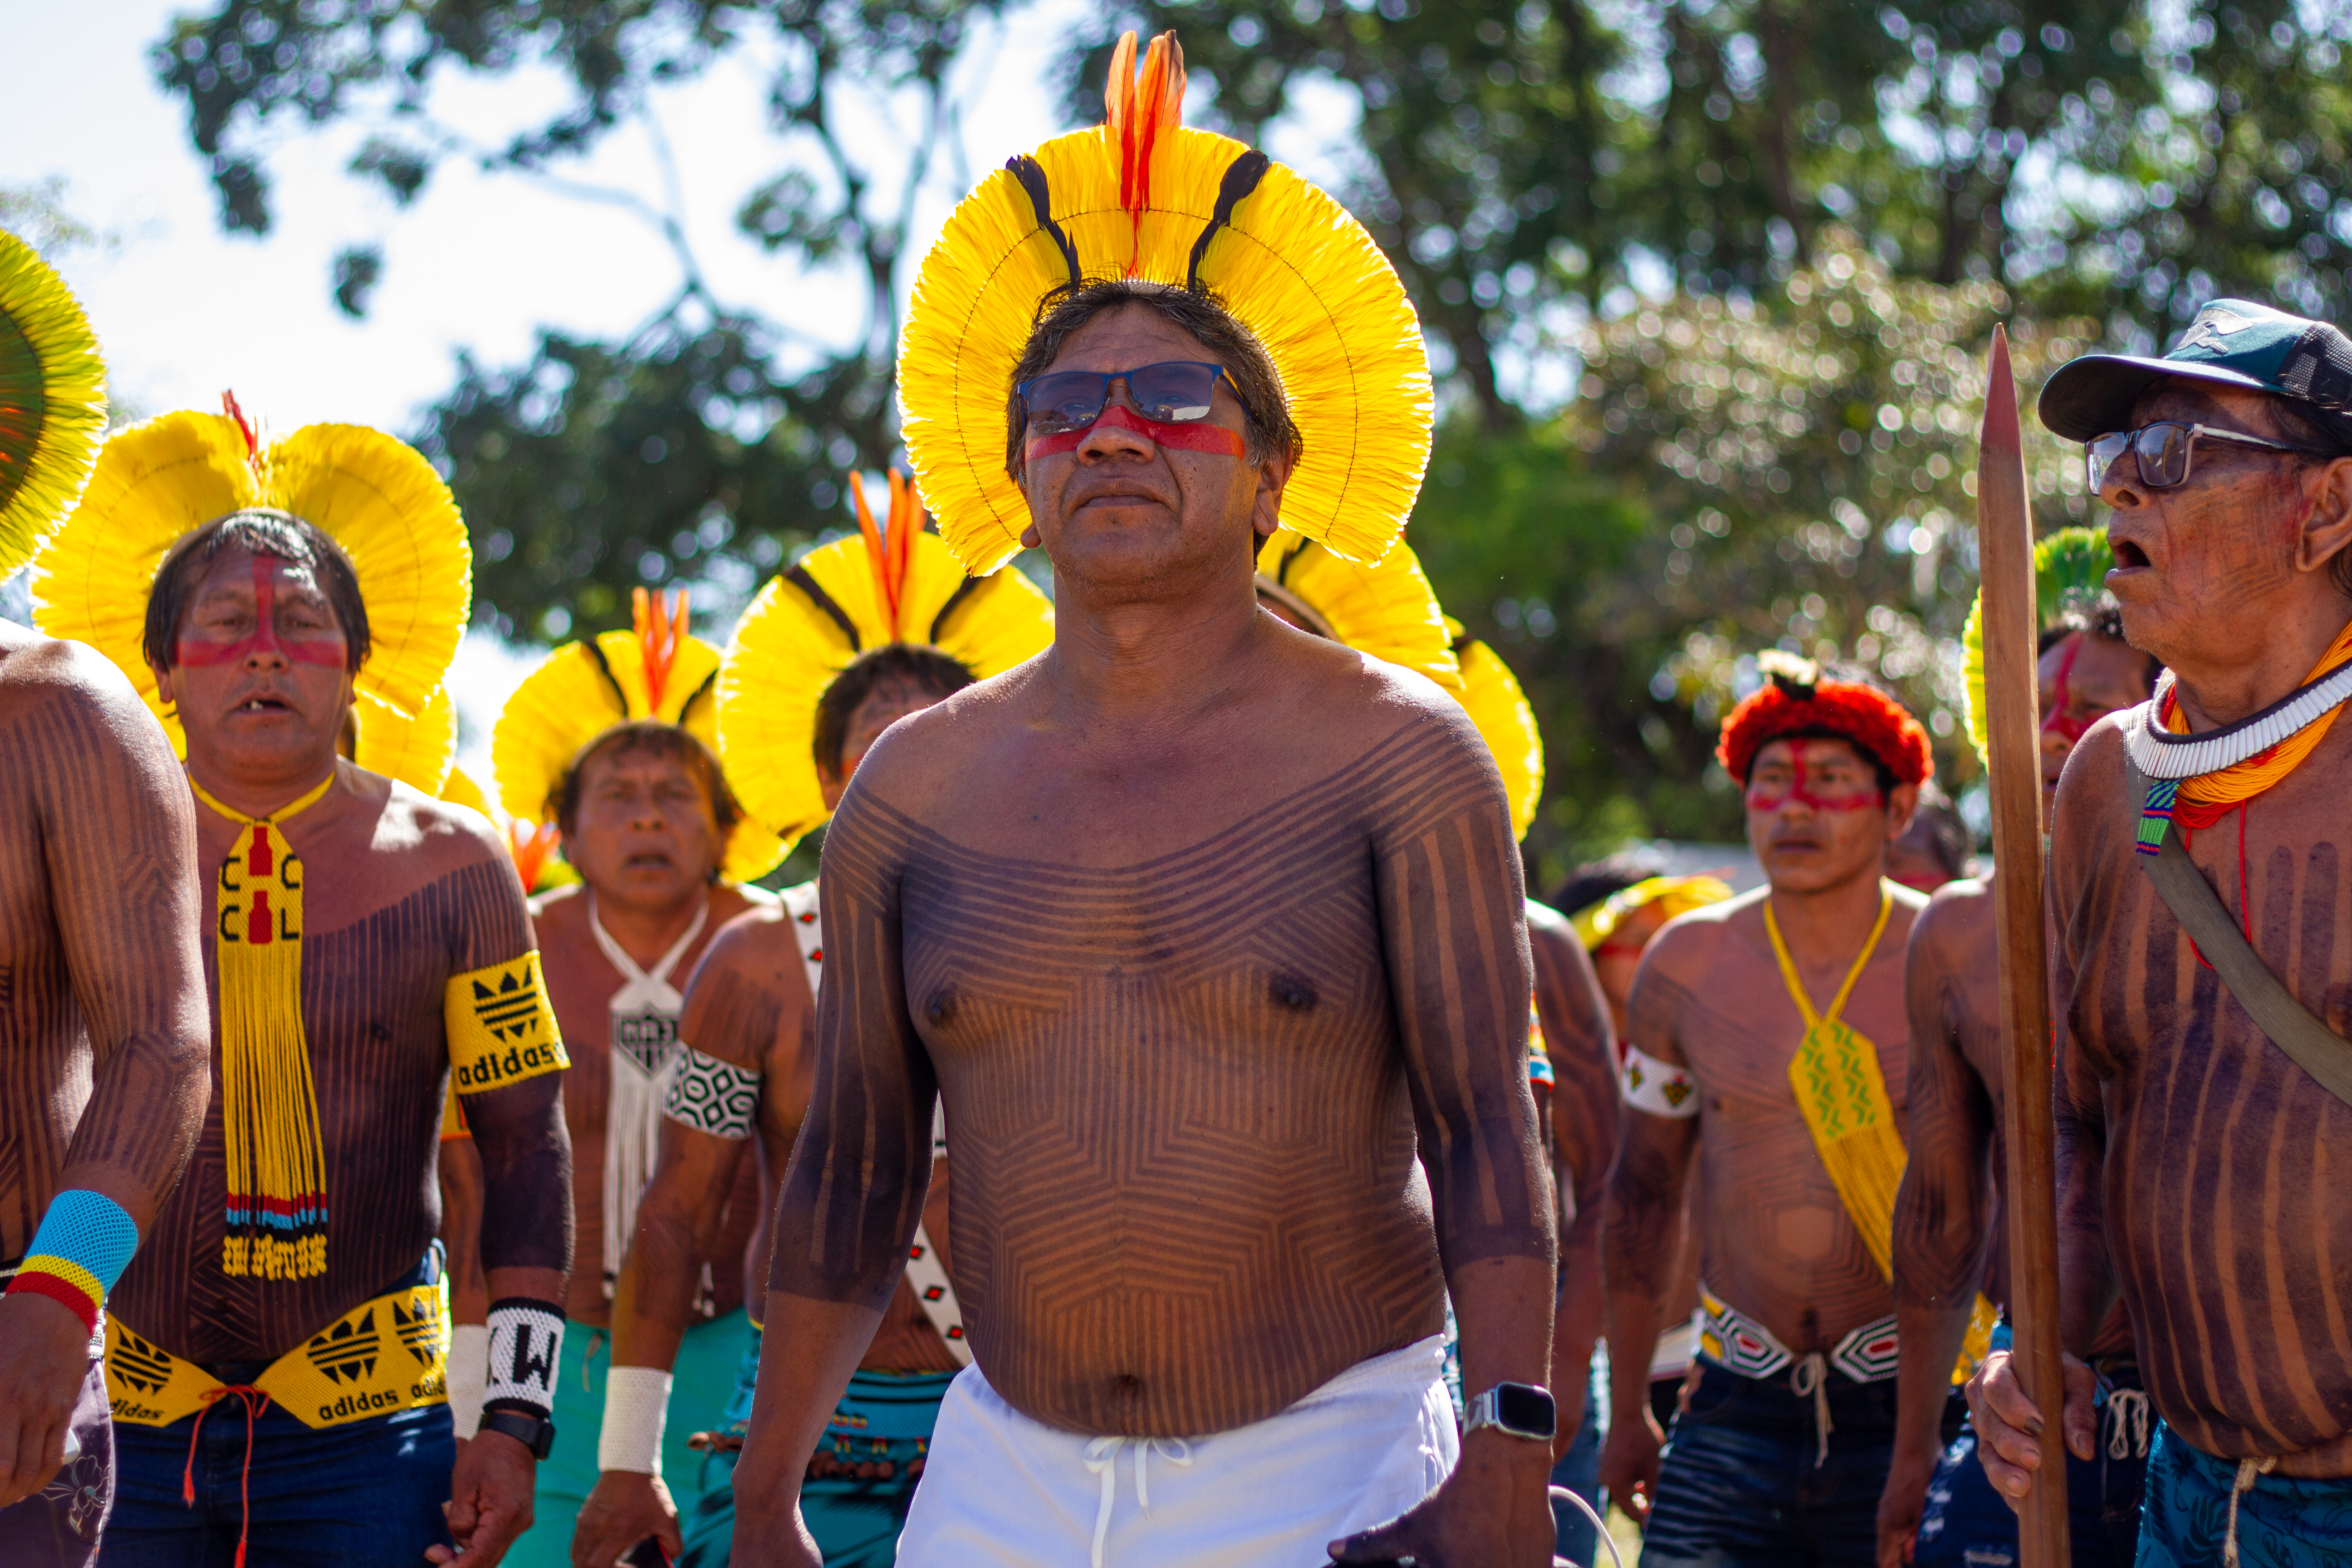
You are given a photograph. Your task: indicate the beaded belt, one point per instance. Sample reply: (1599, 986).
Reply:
(1738, 1343)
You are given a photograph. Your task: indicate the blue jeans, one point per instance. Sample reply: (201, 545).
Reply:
(2281, 1524)
(1742, 1485)
(1968, 1525)
(364, 1495)
(1578, 1470)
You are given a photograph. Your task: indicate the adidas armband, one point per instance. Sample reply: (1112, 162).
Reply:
(84, 1243)
(636, 1407)
(526, 1342)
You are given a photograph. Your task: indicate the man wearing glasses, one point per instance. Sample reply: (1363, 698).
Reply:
(2202, 919)
(1208, 932)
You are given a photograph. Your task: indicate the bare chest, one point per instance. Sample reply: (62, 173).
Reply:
(1232, 963)
(1743, 1032)
(2142, 998)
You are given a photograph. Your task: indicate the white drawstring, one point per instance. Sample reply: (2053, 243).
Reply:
(2249, 1471)
(1811, 1376)
(1102, 1459)
(2129, 1424)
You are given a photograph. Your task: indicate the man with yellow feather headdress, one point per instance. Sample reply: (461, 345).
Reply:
(101, 1041)
(1208, 934)
(276, 1357)
(612, 741)
(851, 638)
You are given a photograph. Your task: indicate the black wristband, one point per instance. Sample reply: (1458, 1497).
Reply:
(536, 1433)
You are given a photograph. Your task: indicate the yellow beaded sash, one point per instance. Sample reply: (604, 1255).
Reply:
(275, 1171)
(1843, 1095)
(386, 1354)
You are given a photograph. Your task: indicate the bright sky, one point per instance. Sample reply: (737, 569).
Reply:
(480, 262)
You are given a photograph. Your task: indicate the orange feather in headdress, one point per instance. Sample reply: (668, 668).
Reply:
(661, 632)
(1136, 109)
(891, 552)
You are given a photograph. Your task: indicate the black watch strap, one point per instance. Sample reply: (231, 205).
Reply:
(533, 1432)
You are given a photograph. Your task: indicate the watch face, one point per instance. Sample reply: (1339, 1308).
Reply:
(1524, 1409)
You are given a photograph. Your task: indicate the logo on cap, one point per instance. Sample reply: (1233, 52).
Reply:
(2213, 324)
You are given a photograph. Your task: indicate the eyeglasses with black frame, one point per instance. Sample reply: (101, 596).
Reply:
(1172, 392)
(2164, 453)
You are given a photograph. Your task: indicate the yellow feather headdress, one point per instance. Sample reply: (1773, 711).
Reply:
(841, 600)
(52, 400)
(658, 669)
(1144, 196)
(1675, 895)
(417, 751)
(373, 494)
(1491, 693)
(1386, 609)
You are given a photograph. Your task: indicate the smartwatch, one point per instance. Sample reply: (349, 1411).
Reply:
(1514, 1409)
(532, 1432)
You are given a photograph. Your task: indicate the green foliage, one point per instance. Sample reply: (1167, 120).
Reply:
(703, 445)
(1756, 247)
(600, 467)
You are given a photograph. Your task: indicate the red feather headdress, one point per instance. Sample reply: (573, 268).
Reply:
(1796, 701)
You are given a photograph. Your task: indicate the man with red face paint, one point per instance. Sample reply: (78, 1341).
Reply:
(1768, 1030)
(1159, 914)
(1939, 1509)
(276, 1363)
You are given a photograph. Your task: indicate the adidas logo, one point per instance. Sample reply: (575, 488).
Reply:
(346, 1353)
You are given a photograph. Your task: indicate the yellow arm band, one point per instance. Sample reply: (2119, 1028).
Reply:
(501, 1026)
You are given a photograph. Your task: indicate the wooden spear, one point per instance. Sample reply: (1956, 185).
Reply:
(2011, 626)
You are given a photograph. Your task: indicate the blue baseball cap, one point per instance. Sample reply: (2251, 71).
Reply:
(2233, 343)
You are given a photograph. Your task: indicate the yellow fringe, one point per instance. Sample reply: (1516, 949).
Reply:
(275, 1171)
(1843, 1095)
(52, 401)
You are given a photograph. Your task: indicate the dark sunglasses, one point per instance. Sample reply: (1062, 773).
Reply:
(1174, 392)
(2164, 452)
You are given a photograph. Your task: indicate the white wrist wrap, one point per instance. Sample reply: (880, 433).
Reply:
(470, 1369)
(1660, 1088)
(636, 1407)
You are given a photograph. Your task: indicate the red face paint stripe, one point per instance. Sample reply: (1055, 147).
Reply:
(1202, 436)
(328, 649)
(1800, 790)
(2061, 721)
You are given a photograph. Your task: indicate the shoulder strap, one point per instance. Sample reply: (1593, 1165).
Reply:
(2315, 1047)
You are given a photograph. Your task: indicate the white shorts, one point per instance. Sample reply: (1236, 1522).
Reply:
(1001, 1491)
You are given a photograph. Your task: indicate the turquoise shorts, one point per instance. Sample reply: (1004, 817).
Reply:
(2281, 1524)
(704, 1376)
(883, 1417)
